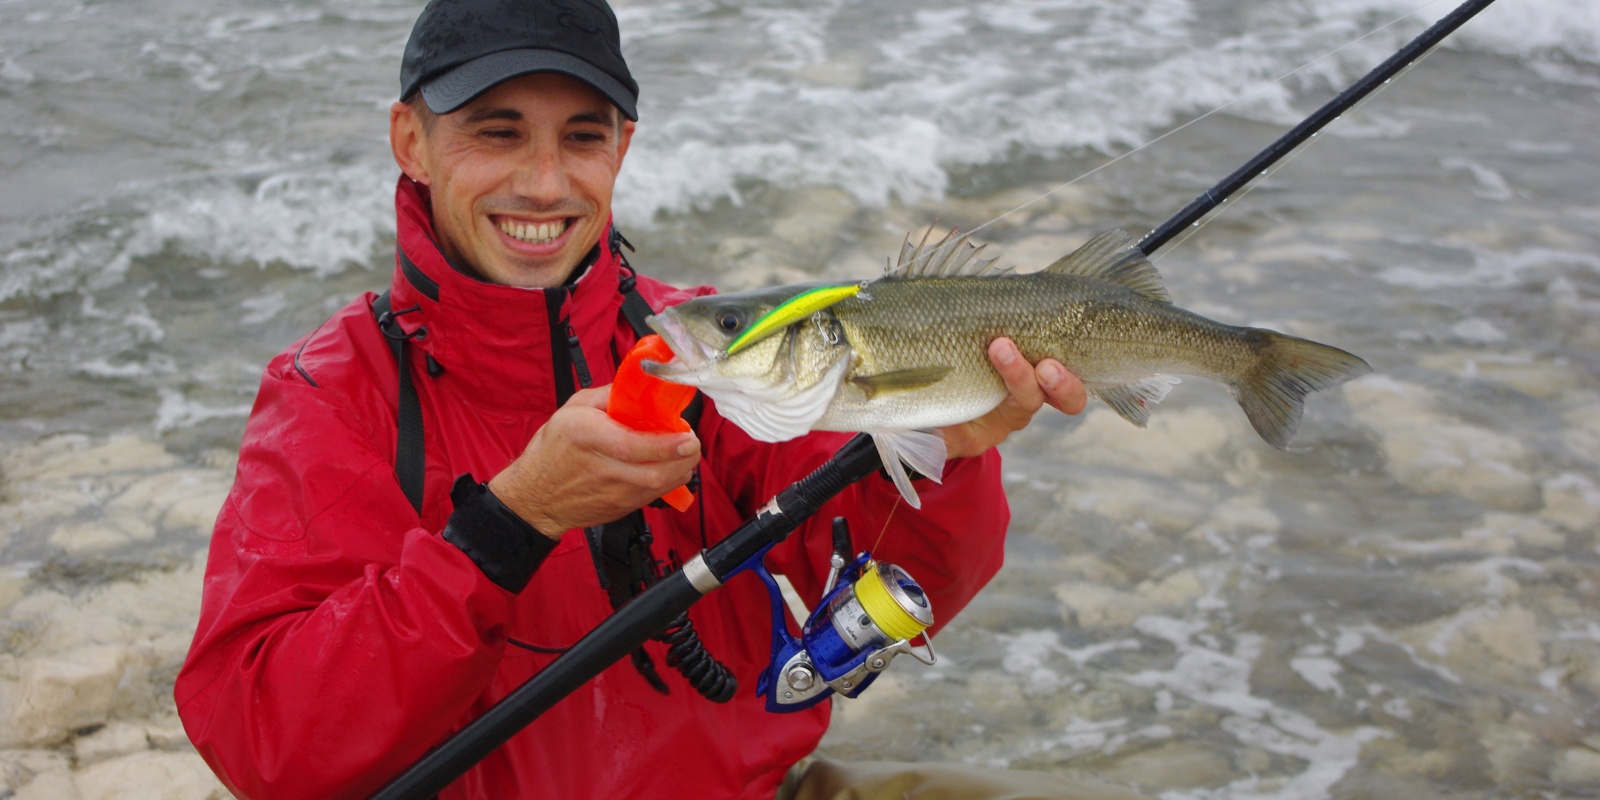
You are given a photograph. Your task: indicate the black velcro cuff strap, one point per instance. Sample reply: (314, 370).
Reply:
(502, 544)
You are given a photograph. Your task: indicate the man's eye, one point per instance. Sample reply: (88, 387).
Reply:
(498, 133)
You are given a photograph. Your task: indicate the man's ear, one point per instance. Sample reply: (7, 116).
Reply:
(624, 138)
(407, 140)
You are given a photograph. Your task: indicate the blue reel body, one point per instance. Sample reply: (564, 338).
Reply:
(841, 647)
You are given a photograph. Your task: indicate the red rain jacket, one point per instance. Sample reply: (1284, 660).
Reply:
(341, 637)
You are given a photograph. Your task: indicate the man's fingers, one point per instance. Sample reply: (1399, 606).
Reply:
(633, 447)
(590, 428)
(593, 397)
(1018, 375)
(1062, 389)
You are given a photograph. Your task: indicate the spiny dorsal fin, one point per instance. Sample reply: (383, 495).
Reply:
(951, 257)
(1111, 256)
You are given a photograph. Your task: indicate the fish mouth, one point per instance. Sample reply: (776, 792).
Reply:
(692, 354)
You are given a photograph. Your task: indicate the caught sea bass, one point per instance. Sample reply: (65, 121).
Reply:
(906, 353)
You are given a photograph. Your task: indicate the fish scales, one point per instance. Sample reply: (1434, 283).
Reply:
(1103, 333)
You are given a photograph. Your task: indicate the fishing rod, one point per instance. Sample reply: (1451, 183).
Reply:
(635, 623)
(660, 605)
(1310, 126)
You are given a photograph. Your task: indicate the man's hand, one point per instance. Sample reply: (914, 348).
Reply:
(1030, 388)
(583, 468)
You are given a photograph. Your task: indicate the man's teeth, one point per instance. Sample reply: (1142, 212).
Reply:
(536, 233)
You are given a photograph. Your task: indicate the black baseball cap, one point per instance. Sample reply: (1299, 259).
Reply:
(460, 49)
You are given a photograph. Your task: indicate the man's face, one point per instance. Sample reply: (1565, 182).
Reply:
(520, 177)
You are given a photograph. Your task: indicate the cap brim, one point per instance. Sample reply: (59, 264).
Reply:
(459, 86)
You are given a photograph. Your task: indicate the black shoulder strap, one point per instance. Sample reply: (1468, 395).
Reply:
(409, 459)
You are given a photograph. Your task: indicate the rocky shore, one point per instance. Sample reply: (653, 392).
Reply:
(91, 640)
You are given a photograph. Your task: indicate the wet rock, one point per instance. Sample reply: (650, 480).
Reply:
(175, 499)
(1093, 605)
(74, 457)
(13, 583)
(63, 693)
(1572, 501)
(1086, 568)
(1502, 533)
(1178, 765)
(756, 267)
(20, 767)
(808, 228)
(151, 776)
(1515, 756)
(876, 702)
(1130, 499)
(1511, 636)
(994, 693)
(1524, 372)
(1099, 705)
(91, 497)
(1575, 767)
(102, 533)
(54, 785)
(1178, 441)
(1030, 226)
(154, 615)
(1435, 454)
(165, 732)
(1243, 516)
(1429, 765)
(115, 739)
(1502, 644)
(1583, 430)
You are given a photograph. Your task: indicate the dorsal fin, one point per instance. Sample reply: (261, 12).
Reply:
(1111, 256)
(953, 256)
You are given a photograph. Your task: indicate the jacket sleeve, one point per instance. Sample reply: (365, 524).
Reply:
(338, 640)
(952, 546)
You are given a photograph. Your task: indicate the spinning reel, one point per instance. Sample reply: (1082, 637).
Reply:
(870, 612)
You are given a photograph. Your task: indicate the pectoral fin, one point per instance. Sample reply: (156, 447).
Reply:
(903, 380)
(923, 451)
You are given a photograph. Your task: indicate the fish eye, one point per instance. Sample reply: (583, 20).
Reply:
(730, 321)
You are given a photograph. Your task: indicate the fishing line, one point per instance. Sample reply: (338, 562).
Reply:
(1285, 145)
(1196, 227)
(1240, 97)
(885, 528)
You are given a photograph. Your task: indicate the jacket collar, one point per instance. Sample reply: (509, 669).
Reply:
(496, 340)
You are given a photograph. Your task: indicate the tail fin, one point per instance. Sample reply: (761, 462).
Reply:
(1273, 394)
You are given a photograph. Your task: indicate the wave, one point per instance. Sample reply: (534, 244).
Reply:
(885, 102)
(891, 116)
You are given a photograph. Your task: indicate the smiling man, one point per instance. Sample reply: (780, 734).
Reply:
(405, 540)
(520, 176)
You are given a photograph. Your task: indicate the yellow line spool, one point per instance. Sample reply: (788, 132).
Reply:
(891, 617)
